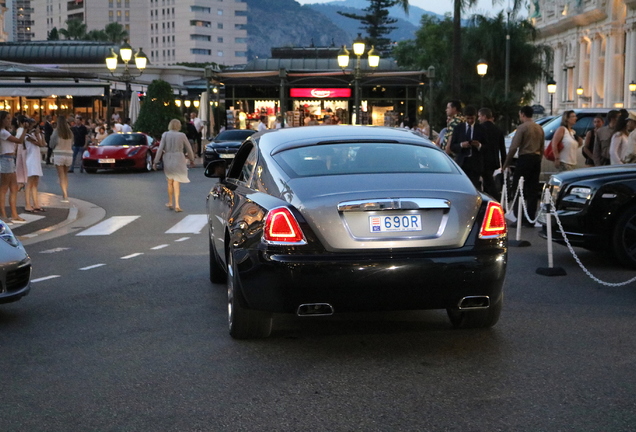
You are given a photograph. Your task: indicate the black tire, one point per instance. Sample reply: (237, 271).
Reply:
(90, 170)
(479, 318)
(217, 271)
(243, 323)
(624, 238)
(148, 165)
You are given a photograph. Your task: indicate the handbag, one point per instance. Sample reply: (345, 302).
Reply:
(548, 153)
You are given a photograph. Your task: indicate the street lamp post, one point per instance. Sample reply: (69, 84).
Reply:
(126, 54)
(430, 73)
(632, 88)
(551, 90)
(373, 60)
(482, 70)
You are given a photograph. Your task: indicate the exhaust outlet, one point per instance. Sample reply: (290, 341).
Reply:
(315, 309)
(474, 302)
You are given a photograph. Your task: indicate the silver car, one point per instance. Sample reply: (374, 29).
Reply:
(319, 220)
(15, 267)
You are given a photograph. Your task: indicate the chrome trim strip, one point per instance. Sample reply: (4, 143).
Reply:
(394, 204)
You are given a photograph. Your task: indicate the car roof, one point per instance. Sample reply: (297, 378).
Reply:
(275, 140)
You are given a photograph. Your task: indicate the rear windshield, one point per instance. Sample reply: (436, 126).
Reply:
(234, 135)
(117, 139)
(363, 158)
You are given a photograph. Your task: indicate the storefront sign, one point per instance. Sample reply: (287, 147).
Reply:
(320, 93)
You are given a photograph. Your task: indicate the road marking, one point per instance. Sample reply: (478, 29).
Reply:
(92, 266)
(45, 278)
(191, 224)
(28, 217)
(159, 247)
(182, 239)
(108, 226)
(132, 255)
(59, 249)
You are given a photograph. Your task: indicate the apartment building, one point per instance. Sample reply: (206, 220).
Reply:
(16, 21)
(170, 31)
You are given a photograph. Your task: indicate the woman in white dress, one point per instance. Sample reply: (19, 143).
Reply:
(175, 165)
(618, 146)
(565, 160)
(8, 179)
(34, 141)
(62, 145)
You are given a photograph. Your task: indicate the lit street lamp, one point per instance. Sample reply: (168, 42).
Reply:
(126, 54)
(482, 70)
(373, 60)
(632, 88)
(551, 90)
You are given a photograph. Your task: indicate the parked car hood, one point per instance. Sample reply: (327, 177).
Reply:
(111, 151)
(609, 171)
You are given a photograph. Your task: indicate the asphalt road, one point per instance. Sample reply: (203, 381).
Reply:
(124, 332)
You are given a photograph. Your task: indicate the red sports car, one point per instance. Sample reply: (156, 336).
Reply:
(132, 150)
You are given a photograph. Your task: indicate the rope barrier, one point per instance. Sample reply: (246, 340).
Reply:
(550, 210)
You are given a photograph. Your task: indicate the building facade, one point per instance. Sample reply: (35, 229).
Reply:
(169, 31)
(594, 52)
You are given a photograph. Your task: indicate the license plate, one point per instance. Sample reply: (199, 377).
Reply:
(106, 161)
(395, 223)
(226, 155)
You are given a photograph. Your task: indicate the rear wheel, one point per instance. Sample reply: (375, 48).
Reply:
(624, 238)
(148, 164)
(217, 271)
(479, 318)
(243, 323)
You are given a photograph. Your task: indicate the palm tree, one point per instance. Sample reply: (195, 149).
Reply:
(75, 29)
(115, 33)
(458, 6)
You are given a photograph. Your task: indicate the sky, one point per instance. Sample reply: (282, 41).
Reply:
(483, 7)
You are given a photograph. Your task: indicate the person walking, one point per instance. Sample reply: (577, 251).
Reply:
(494, 151)
(62, 145)
(631, 140)
(565, 159)
(48, 131)
(467, 143)
(619, 148)
(33, 163)
(198, 127)
(172, 148)
(529, 140)
(8, 180)
(80, 142)
(604, 138)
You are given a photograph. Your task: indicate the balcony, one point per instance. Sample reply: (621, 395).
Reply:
(557, 17)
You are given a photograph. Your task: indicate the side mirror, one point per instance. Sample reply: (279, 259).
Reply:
(216, 169)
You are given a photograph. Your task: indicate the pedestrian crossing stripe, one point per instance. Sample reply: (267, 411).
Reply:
(190, 224)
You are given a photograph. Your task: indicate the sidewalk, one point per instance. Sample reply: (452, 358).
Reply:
(58, 218)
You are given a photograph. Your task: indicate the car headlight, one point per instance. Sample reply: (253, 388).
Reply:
(86, 154)
(581, 192)
(7, 235)
(134, 151)
(210, 148)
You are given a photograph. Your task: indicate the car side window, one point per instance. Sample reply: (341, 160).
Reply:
(248, 167)
(583, 125)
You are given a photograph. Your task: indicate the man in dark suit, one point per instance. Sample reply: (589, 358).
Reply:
(493, 150)
(467, 142)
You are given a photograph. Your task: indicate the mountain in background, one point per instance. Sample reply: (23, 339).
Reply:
(287, 23)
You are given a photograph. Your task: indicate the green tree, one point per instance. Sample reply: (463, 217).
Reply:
(53, 35)
(115, 33)
(157, 109)
(377, 23)
(95, 35)
(486, 36)
(75, 29)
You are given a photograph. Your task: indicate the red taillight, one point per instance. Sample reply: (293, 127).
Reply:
(281, 227)
(494, 223)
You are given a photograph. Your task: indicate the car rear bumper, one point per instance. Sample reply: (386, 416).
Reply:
(281, 283)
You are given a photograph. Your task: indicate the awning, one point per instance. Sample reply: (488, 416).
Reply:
(43, 90)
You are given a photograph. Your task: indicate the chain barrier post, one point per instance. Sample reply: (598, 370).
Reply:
(517, 242)
(550, 270)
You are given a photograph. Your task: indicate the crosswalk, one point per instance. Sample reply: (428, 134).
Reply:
(190, 224)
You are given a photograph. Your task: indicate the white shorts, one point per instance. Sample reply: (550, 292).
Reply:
(63, 160)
